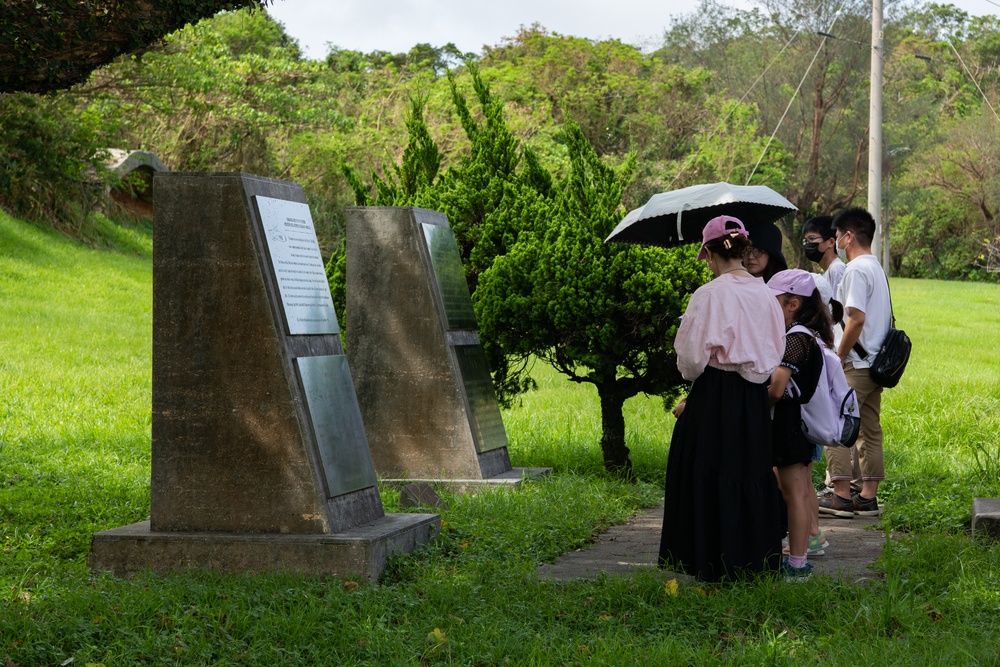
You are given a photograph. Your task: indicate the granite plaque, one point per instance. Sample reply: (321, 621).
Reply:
(298, 266)
(487, 424)
(449, 276)
(336, 422)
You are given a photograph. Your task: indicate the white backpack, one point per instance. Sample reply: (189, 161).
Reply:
(831, 416)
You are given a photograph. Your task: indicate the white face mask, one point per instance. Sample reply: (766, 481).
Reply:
(841, 252)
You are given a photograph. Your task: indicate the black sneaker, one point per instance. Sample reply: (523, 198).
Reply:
(837, 506)
(864, 506)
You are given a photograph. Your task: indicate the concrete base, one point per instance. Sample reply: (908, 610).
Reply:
(356, 553)
(986, 518)
(512, 478)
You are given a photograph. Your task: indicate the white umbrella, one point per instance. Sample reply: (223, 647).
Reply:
(677, 217)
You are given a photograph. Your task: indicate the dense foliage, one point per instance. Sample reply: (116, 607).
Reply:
(936, 56)
(234, 92)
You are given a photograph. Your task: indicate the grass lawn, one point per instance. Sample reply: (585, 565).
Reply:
(75, 354)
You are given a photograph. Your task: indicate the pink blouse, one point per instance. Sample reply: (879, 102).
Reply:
(733, 323)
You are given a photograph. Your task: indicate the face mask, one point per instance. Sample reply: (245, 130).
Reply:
(812, 252)
(841, 253)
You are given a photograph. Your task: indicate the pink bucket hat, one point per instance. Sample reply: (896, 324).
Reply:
(716, 228)
(792, 281)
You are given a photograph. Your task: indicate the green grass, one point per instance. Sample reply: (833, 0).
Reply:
(74, 459)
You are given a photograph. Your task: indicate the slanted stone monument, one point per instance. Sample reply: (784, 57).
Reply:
(259, 456)
(421, 375)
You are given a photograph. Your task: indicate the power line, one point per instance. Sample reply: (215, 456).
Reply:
(722, 122)
(794, 95)
(985, 99)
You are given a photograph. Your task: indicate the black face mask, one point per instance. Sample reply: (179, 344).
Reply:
(812, 252)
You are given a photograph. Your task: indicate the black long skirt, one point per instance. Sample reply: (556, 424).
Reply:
(721, 519)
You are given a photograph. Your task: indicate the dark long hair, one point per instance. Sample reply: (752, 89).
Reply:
(814, 315)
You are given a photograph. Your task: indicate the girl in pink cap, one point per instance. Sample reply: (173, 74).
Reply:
(721, 516)
(801, 303)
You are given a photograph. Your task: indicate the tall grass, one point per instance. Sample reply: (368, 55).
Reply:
(74, 459)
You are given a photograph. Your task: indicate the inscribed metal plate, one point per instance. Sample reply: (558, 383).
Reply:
(487, 424)
(447, 264)
(298, 266)
(336, 419)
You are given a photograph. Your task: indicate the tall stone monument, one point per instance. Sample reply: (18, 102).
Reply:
(260, 460)
(421, 375)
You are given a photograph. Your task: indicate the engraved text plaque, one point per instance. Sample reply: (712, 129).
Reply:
(298, 266)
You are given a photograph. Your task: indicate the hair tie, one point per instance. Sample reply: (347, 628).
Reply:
(727, 244)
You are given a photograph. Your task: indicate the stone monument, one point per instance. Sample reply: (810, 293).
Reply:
(260, 460)
(421, 375)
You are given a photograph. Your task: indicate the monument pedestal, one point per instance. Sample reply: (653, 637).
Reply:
(512, 479)
(356, 553)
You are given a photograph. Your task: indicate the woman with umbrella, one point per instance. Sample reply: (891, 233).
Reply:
(721, 518)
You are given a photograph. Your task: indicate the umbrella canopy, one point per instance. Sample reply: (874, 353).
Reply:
(674, 218)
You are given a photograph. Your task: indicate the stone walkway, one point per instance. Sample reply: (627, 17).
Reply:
(633, 546)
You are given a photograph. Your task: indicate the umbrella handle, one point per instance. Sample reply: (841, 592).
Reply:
(680, 234)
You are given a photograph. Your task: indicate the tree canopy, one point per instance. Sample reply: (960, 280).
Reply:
(52, 44)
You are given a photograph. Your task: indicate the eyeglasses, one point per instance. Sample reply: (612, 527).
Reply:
(814, 238)
(755, 252)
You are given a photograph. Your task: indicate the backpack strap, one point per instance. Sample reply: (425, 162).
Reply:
(861, 351)
(798, 392)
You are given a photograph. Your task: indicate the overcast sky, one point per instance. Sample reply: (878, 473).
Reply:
(397, 25)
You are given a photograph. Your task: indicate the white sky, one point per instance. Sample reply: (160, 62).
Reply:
(397, 25)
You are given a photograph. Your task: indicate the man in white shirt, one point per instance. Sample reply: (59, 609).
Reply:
(864, 293)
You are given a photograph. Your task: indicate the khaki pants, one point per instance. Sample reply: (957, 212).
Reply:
(869, 445)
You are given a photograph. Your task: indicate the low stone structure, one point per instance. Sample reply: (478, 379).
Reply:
(136, 169)
(986, 518)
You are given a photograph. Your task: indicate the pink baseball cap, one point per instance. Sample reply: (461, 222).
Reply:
(792, 281)
(716, 228)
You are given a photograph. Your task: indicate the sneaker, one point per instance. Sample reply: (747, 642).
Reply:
(796, 575)
(865, 506)
(817, 545)
(824, 492)
(837, 506)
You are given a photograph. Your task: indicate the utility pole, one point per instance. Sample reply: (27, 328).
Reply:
(875, 129)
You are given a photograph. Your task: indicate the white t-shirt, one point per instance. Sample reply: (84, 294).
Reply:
(864, 287)
(835, 273)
